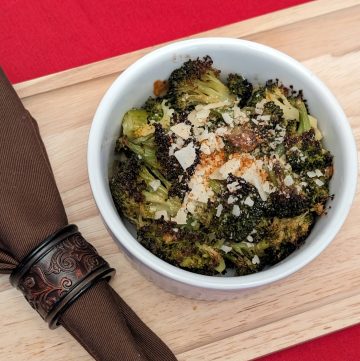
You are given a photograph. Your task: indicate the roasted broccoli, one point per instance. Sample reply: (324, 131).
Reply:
(305, 153)
(221, 178)
(182, 247)
(197, 82)
(282, 237)
(139, 195)
(241, 87)
(257, 96)
(154, 109)
(158, 111)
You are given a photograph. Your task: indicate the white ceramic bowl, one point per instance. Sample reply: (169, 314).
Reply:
(258, 63)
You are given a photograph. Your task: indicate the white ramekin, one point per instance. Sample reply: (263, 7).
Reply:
(258, 63)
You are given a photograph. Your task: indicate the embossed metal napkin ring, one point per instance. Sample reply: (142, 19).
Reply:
(58, 271)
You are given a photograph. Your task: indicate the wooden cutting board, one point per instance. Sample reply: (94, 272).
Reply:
(321, 298)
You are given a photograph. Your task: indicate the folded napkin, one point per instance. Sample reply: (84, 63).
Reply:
(30, 211)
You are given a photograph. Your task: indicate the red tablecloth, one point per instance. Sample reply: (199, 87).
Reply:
(38, 37)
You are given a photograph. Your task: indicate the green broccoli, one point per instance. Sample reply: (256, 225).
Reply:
(279, 95)
(275, 112)
(281, 238)
(181, 247)
(305, 153)
(239, 86)
(197, 82)
(304, 120)
(261, 172)
(138, 194)
(257, 95)
(154, 109)
(158, 111)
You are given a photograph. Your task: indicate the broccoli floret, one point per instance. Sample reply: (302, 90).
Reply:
(275, 112)
(281, 238)
(305, 153)
(138, 194)
(138, 136)
(229, 224)
(286, 235)
(279, 95)
(182, 247)
(239, 86)
(197, 82)
(154, 109)
(158, 111)
(287, 204)
(149, 141)
(135, 126)
(257, 95)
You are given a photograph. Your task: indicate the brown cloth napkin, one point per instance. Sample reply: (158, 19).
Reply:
(30, 210)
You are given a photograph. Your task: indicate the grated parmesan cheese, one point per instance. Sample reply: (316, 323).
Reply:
(155, 184)
(236, 210)
(219, 210)
(232, 187)
(181, 216)
(225, 248)
(186, 156)
(232, 199)
(248, 201)
(182, 130)
(319, 182)
(231, 166)
(159, 214)
(228, 119)
(311, 174)
(255, 260)
(288, 180)
(205, 149)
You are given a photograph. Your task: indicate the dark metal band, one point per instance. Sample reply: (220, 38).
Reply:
(58, 271)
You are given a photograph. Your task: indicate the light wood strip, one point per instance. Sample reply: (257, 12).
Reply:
(293, 330)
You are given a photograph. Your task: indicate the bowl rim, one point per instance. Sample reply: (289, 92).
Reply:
(136, 250)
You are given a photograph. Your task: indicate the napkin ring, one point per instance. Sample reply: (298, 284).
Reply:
(58, 271)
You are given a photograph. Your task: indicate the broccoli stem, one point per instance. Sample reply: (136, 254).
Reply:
(304, 125)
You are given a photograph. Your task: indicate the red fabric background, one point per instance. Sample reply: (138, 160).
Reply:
(39, 37)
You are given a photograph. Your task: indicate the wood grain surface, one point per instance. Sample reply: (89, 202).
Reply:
(321, 298)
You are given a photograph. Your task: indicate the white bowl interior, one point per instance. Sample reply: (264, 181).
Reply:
(258, 63)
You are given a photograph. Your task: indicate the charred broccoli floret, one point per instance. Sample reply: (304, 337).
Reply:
(239, 86)
(154, 109)
(182, 247)
(197, 82)
(275, 112)
(279, 95)
(138, 194)
(287, 204)
(305, 153)
(170, 167)
(257, 95)
(283, 236)
(242, 214)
